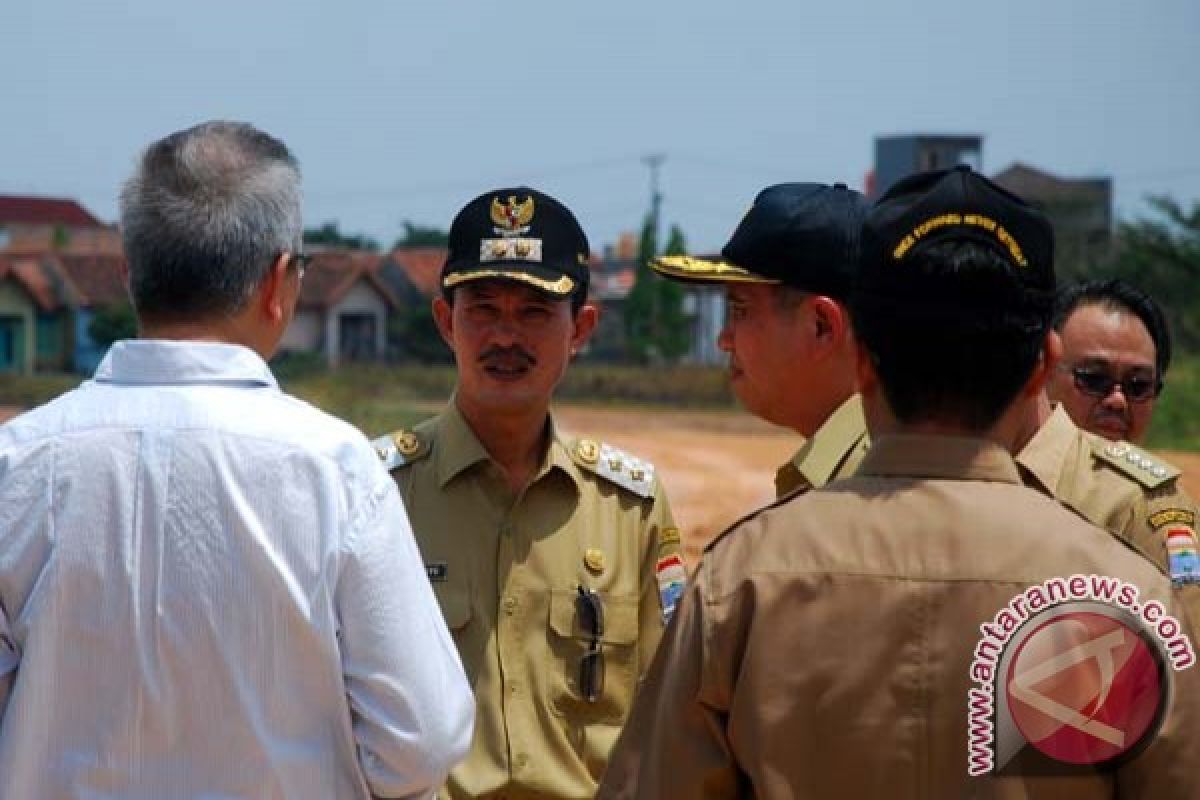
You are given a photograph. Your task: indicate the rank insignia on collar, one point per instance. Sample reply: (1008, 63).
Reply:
(406, 443)
(512, 218)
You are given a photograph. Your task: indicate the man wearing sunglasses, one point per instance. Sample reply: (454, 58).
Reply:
(209, 588)
(1116, 351)
(787, 272)
(826, 645)
(554, 557)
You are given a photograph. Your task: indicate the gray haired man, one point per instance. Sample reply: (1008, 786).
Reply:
(207, 587)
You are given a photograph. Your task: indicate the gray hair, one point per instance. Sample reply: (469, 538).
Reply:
(207, 212)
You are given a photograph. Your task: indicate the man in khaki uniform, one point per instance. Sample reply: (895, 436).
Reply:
(830, 645)
(787, 272)
(555, 560)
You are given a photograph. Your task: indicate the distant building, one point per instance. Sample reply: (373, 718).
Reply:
(343, 308)
(899, 156)
(35, 224)
(1081, 210)
(47, 303)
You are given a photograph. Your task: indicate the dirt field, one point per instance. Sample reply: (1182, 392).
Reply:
(716, 466)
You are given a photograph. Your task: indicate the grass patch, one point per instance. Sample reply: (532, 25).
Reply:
(1176, 423)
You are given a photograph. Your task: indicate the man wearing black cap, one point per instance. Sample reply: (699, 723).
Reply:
(555, 560)
(787, 272)
(908, 632)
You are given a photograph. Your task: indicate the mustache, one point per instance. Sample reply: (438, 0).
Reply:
(507, 357)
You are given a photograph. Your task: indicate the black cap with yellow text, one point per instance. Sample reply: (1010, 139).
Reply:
(518, 234)
(803, 235)
(955, 204)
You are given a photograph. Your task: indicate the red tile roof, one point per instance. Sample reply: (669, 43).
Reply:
(98, 280)
(422, 265)
(44, 211)
(332, 273)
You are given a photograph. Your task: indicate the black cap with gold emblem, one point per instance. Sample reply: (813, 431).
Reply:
(803, 235)
(518, 234)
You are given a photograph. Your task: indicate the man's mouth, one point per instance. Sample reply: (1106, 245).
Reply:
(507, 365)
(1115, 425)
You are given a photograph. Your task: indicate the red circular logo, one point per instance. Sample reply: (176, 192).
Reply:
(1085, 688)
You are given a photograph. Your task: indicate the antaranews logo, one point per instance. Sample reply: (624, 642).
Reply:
(1075, 667)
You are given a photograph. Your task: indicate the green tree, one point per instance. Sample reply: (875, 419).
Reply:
(415, 335)
(111, 323)
(422, 236)
(655, 326)
(329, 235)
(1161, 255)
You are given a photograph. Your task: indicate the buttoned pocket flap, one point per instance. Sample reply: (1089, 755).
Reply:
(620, 617)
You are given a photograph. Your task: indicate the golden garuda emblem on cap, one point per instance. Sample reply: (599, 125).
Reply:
(512, 218)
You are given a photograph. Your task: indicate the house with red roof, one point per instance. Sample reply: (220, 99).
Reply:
(47, 302)
(33, 224)
(343, 308)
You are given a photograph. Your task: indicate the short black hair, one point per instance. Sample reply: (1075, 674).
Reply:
(961, 342)
(1117, 295)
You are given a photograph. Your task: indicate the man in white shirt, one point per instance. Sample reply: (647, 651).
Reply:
(209, 588)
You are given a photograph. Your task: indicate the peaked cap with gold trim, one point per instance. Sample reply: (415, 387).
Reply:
(518, 234)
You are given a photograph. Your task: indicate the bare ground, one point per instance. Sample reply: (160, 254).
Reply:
(716, 466)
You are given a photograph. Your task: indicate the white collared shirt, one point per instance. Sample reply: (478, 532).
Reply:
(210, 589)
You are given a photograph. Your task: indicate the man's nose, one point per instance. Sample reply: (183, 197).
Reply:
(1116, 400)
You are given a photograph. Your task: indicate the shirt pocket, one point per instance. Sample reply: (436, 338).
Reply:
(569, 642)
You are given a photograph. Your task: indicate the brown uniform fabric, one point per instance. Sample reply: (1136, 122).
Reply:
(505, 571)
(823, 648)
(833, 452)
(1105, 482)
(1113, 485)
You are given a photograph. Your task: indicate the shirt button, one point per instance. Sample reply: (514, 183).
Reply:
(513, 687)
(522, 761)
(510, 605)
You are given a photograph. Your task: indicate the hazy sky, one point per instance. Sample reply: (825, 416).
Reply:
(406, 110)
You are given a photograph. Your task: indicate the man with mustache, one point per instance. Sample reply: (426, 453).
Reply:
(555, 560)
(1116, 350)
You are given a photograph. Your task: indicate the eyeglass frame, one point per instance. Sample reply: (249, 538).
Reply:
(1081, 372)
(590, 610)
(300, 260)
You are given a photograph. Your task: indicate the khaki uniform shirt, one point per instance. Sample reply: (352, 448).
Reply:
(1111, 484)
(833, 452)
(824, 647)
(506, 569)
(1125, 491)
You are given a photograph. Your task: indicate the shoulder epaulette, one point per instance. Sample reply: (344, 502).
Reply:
(399, 448)
(1150, 471)
(627, 471)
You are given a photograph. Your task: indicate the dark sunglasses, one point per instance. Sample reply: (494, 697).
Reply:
(1098, 383)
(591, 667)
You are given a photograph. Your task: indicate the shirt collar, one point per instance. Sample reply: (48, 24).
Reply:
(952, 457)
(137, 362)
(818, 460)
(1045, 455)
(459, 448)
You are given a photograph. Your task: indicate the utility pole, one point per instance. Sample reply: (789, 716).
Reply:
(655, 161)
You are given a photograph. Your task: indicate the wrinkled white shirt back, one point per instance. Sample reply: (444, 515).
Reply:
(209, 589)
